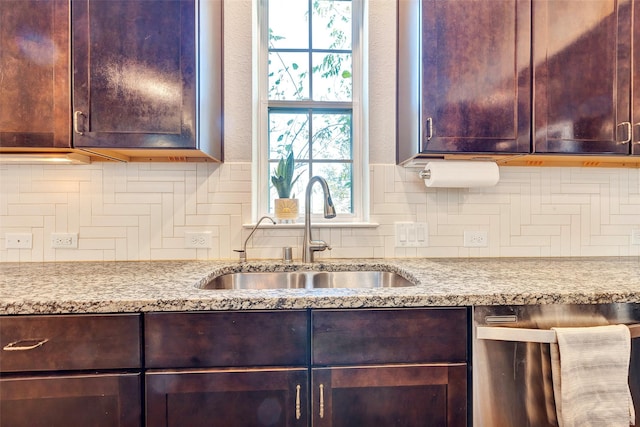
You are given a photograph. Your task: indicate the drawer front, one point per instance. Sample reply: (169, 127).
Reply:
(352, 337)
(69, 342)
(78, 400)
(212, 339)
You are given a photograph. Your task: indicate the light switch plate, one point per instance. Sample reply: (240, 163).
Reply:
(412, 234)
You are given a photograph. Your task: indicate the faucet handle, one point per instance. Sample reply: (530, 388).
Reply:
(318, 245)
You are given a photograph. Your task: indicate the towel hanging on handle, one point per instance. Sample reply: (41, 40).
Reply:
(590, 368)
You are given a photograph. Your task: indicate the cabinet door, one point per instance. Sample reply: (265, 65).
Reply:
(476, 85)
(401, 395)
(111, 400)
(134, 73)
(581, 52)
(35, 91)
(223, 398)
(635, 89)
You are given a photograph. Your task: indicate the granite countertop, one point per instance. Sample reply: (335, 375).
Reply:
(109, 287)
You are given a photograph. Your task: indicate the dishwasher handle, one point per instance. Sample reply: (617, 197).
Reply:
(545, 336)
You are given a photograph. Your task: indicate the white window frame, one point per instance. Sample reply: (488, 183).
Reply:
(260, 163)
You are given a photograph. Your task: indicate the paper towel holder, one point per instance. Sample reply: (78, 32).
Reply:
(425, 174)
(460, 174)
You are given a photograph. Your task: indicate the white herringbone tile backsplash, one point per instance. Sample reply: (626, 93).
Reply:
(141, 211)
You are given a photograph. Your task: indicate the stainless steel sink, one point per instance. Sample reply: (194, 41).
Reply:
(308, 280)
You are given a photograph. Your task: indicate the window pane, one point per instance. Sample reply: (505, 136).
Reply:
(339, 177)
(288, 131)
(332, 24)
(288, 24)
(332, 77)
(288, 76)
(332, 136)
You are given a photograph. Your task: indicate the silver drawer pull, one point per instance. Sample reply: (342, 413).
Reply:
(321, 401)
(25, 345)
(298, 409)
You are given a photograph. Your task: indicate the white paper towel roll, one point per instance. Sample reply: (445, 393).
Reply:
(461, 174)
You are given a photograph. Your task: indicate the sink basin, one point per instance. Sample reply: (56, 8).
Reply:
(308, 280)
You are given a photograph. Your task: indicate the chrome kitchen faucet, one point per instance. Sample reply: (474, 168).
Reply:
(309, 246)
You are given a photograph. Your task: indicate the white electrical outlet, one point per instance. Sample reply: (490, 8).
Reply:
(64, 240)
(197, 239)
(18, 240)
(412, 235)
(635, 237)
(476, 239)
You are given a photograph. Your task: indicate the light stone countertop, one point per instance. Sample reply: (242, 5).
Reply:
(110, 287)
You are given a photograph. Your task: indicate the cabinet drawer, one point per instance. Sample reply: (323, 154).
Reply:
(69, 342)
(256, 338)
(78, 400)
(350, 337)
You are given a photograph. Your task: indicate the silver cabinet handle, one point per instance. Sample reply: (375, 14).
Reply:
(298, 410)
(321, 400)
(429, 128)
(629, 132)
(25, 345)
(637, 125)
(76, 120)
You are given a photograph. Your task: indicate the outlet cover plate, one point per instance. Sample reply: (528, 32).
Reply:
(64, 240)
(18, 240)
(476, 239)
(197, 239)
(635, 237)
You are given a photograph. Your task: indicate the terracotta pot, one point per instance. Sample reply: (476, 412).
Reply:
(286, 210)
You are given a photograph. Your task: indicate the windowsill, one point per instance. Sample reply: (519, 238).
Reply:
(316, 224)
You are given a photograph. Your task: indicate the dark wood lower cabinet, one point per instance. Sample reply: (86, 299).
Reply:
(228, 398)
(403, 395)
(351, 368)
(102, 400)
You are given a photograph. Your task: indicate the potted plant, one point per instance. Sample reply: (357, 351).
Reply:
(286, 207)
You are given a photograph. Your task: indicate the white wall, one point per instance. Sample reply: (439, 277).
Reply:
(140, 211)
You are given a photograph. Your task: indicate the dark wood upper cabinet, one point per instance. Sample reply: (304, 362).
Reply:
(635, 88)
(137, 83)
(582, 76)
(464, 77)
(35, 93)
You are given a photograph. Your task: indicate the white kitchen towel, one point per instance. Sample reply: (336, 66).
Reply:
(590, 369)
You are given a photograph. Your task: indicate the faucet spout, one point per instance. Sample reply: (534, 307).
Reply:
(309, 246)
(243, 251)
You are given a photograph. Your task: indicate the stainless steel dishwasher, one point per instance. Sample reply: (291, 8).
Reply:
(511, 371)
